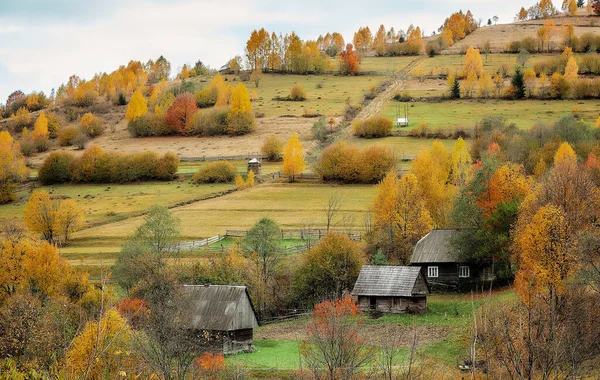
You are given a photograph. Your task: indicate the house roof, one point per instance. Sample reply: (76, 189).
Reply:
(254, 161)
(218, 308)
(434, 248)
(387, 280)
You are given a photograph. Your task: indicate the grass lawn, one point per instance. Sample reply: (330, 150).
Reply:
(282, 354)
(467, 112)
(232, 241)
(106, 203)
(400, 145)
(385, 65)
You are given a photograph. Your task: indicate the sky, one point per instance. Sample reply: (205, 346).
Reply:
(43, 42)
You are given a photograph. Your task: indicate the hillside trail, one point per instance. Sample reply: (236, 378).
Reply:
(399, 82)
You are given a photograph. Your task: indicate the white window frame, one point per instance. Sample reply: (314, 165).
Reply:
(433, 272)
(462, 269)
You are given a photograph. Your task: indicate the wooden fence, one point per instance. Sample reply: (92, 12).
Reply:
(316, 234)
(195, 244)
(247, 156)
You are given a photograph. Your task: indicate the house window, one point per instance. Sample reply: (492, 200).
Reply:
(463, 271)
(432, 271)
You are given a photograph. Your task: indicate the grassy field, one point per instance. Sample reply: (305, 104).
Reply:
(240, 165)
(400, 145)
(445, 311)
(109, 203)
(467, 112)
(385, 65)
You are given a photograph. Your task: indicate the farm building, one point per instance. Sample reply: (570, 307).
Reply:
(438, 263)
(391, 289)
(226, 312)
(254, 165)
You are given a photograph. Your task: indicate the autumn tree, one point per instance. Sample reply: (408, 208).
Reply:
(272, 148)
(399, 215)
(137, 107)
(349, 61)
(40, 128)
(12, 167)
(380, 41)
(181, 113)
(460, 163)
(414, 42)
(328, 269)
(262, 244)
(256, 76)
(571, 70)
(333, 348)
(522, 15)
(473, 63)
(55, 220)
(293, 158)
(240, 119)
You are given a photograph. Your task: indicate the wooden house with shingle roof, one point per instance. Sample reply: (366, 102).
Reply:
(439, 263)
(225, 312)
(391, 289)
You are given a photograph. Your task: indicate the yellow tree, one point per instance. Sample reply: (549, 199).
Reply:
(572, 8)
(485, 85)
(240, 119)
(41, 215)
(380, 40)
(571, 70)
(507, 183)
(473, 62)
(40, 128)
(432, 170)
(522, 16)
(293, 158)
(240, 99)
(69, 218)
(530, 79)
(12, 167)
(137, 107)
(460, 163)
(468, 85)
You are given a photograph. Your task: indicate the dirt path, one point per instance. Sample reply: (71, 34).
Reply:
(399, 82)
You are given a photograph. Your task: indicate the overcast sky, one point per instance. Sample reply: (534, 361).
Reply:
(43, 42)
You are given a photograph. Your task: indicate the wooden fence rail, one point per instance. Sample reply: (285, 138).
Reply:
(224, 158)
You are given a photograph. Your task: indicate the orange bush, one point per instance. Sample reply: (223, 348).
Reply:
(377, 126)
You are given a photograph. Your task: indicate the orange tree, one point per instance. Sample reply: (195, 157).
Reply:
(333, 348)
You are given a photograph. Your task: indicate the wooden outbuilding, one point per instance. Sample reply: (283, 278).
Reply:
(439, 262)
(391, 289)
(254, 165)
(224, 312)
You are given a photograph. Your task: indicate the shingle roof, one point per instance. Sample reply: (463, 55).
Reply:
(218, 308)
(386, 280)
(434, 248)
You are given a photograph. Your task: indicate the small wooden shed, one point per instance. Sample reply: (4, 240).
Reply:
(254, 165)
(439, 263)
(391, 289)
(225, 312)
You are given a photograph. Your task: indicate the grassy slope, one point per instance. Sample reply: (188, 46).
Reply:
(468, 112)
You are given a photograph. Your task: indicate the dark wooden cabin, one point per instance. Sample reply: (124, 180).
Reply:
(438, 262)
(391, 289)
(225, 312)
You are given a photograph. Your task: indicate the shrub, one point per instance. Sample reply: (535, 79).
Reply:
(27, 147)
(21, 119)
(81, 141)
(297, 93)
(41, 144)
(559, 87)
(402, 97)
(122, 100)
(420, 130)
(167, 166)
(319, 130)
(67, 135)
(346, 163)
(215, 172)
(377, 126)
(181, 113)
(240, 123)
(91, 125)
(55, 168)
(272, 149)
(351, 111)
(211, 123)
(206, 97)
(149, 125)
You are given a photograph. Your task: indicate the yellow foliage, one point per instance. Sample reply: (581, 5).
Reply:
(598, 122)
(5, 138)
(571, 70)
(239, 182)
(460, 162)
(565, 155)
(223, 91)
(293, 157)
(137, 107)
(22, 117)
(103, 349)
(240, 100)
(250, 179)
(40, 128)
(54, 220)
(568, 52)
(12, 167)
(473, 62)
(506, 184)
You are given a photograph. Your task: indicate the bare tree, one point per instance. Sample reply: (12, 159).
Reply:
(334, 204)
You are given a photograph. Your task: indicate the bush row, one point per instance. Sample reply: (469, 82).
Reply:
(348, 164)
(96, 166)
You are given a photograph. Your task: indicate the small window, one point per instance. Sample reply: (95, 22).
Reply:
(432, 271)
(463, 271)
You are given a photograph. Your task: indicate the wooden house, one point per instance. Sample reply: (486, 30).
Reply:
(439, 263)
(391, 289)
(254, 165)
(224, 312)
